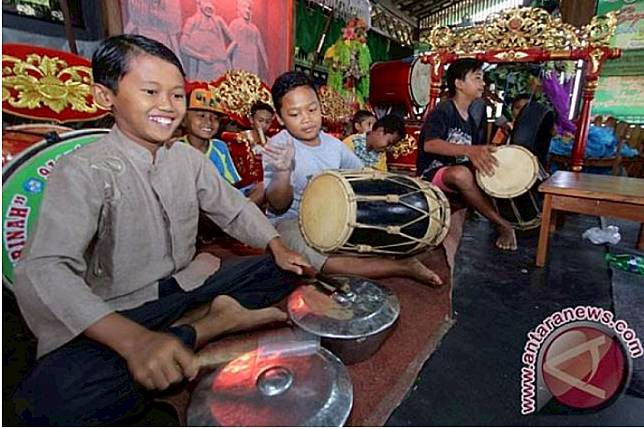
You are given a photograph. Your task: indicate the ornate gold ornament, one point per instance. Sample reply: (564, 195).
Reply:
(238, 90)
(43, 81)
(404, 147)
(523, 28)
(335, 109)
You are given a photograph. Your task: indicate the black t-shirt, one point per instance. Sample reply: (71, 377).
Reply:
(446, 123)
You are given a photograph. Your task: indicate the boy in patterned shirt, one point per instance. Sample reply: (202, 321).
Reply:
(371, 145)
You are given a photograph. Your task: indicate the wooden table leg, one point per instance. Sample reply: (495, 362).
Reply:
(640, 238)
(544, 233)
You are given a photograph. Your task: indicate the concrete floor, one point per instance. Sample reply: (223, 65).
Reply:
(473, 378)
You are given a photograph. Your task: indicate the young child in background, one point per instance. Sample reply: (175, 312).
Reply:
(371, 146)
(201, 124)
(261, 116)
(302, 150)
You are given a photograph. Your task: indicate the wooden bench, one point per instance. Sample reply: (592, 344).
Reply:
(592, 194)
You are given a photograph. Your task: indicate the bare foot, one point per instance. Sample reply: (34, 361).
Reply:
(506, 240)
(226, 315)
(418, 271)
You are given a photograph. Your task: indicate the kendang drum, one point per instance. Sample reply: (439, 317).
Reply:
(513, 186)
(371, 212)
(275, 388)
(352, 323)
(24, 180)
(400, 82)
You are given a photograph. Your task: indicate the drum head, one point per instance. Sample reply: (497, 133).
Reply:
(517, 171)
(24, 180)
(327, 206)
(419, 83)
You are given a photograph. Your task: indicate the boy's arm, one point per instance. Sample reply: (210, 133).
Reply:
(278, 168)
(155, 359)
(279, 192)
(241, 218)
(435, 131)
(481, 155)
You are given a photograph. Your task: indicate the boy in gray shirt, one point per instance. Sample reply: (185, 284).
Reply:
(297, 153)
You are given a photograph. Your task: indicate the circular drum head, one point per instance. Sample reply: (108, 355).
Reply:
(274, 390)
(517, 171)
(326, 209)
(24, 180)
(419, 83)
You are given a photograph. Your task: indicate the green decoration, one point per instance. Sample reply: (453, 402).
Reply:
(348, 61)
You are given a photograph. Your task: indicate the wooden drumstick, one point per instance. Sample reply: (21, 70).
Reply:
(262, 137)
(209, 358)
(329, 283)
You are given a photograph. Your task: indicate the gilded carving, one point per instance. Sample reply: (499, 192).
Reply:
(404, 147)
(523, 28)
(39, 81)
(335, 109)
(238, 90)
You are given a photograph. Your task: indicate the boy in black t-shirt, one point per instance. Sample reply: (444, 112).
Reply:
(453, 145)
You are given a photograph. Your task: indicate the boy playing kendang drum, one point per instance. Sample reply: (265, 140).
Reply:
(300, 151)
(452, 146)
(370, 146)
(109, 273)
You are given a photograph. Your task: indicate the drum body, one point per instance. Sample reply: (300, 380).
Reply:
(24, 180)
(513, 187)
(533, 129)
(400, 82)
(17, 138)
(370, 212)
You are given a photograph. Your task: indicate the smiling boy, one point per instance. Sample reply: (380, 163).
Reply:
(110, 271)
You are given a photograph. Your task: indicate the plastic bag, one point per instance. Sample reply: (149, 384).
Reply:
(610, 234)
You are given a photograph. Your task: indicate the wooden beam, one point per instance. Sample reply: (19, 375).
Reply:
(69, 30)
(112, 17)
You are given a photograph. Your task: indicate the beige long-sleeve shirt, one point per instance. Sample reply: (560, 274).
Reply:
(113, 222)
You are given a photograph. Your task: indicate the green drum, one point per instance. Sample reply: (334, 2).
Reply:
(24, 181)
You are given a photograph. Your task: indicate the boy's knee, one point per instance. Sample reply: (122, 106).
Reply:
(459, 177)
(291, 235)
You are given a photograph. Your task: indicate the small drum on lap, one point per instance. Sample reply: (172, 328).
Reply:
(513, 186)
(369, 212)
